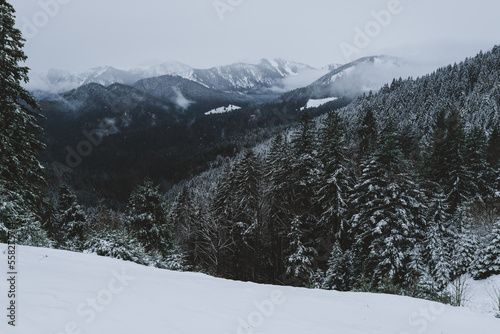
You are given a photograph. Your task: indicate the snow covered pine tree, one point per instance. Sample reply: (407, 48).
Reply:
(20, 171)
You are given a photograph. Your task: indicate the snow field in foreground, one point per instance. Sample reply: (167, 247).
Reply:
(64, 292)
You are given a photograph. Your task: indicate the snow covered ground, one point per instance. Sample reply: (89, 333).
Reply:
(481, 296)
(63, 292)
(222, 110)
(316, 103)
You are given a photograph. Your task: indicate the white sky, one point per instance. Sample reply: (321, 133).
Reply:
(82, 34)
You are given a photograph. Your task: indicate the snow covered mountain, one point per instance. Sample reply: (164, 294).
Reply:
(186, 93)
(353, 79)
(362, 75)
(250, 78)
(53, 82)
(64, 292)
(240, 77)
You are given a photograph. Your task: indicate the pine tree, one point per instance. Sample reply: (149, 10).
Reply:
(493, 147)
(446, 165)
(21, 175)
(176, 260)
(299, 264)
(303, 184)
(338, 273)
(333, 179)
(278, 200)
(71, 221)
(389, 215)
(247, 182)
(224, 205)
(218, 226)
(477, 166)
(18, 224)
(493, 159)
(436, 169)
(148, 219)
(304, 167)
(438, 242)
(183, 219)
(238, 204)
(459, 186)
(466, 244)
(367, 133)
(247, 224)
(118, 244)
(489, 263)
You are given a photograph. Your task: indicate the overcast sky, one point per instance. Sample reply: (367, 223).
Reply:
(81, 34)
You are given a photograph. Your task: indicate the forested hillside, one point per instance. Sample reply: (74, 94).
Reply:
(397, 192)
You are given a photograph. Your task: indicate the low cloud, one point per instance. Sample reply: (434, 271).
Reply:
(304, 78)
(180, 100)
(372, 76)
(108, 127)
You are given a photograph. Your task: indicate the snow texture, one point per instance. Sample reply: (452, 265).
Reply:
(223, 110)
(56, 290)
(312, 103)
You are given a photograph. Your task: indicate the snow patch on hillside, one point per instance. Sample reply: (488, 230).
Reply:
(222, 110)
(342, 74)
(312, 103)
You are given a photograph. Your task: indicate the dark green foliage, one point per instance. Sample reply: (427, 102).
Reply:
(119, 245)
(339, 272)
(21, 177)
(238, 203)
(467, 244)
(367, 133)
(303, 177)
(448, 164)
(333, 179)
(71, 227)
(277, 195)
(19, 149)
(148, 219)
(389, 216)
(493, 148)
(489, 261)
(438, 242)
(299, 264)
(18, 224)
(183, 219)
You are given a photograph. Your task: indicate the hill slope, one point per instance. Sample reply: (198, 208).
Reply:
(62, 292)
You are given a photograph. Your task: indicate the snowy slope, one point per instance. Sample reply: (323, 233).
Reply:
(222, 110)
(62, 292)
(312, 103)
(375, 66)
(59, 81)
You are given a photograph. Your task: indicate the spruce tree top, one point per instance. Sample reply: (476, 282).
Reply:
(11, 74)
(20, 170)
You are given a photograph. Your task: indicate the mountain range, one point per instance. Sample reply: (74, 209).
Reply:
(161, 124)
(265, 77)
(187, 92)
